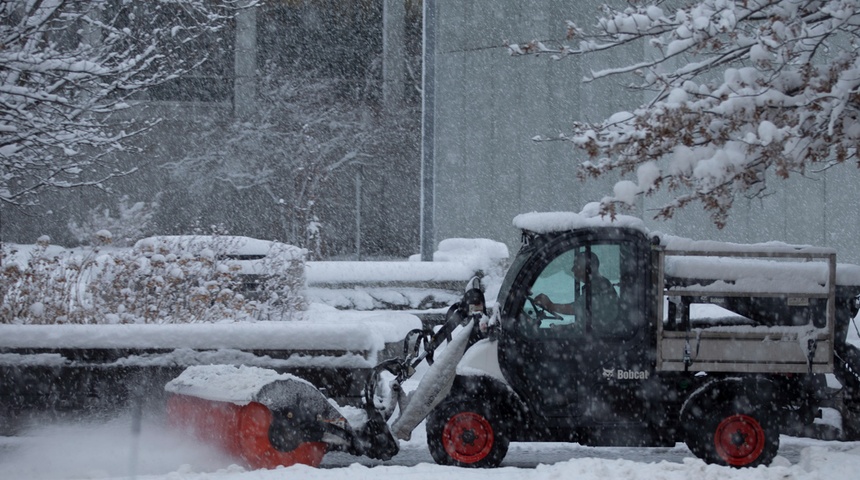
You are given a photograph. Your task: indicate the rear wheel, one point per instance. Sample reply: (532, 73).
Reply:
(466, 435)
(740, 440)
(726, 428)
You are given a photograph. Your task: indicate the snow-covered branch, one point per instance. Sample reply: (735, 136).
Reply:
(67, 67)
(303, 133)
(740, 87)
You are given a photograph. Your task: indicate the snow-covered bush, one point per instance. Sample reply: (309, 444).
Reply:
(36, 291)
(160, 280)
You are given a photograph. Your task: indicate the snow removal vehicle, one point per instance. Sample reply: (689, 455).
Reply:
(721, 346)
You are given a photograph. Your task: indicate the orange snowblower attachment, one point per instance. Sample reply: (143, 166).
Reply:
(262, 417)
(270, 419)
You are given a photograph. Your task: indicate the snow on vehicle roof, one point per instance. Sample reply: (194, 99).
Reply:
(757, 275)
(760, 276)
(799, 274)
(589, 217)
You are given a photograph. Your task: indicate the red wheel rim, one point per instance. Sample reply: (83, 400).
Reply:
(739, 440)
(468, 437)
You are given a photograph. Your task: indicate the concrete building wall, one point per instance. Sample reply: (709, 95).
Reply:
(488, 105)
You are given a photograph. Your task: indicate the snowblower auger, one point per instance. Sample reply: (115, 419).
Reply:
(263, 417)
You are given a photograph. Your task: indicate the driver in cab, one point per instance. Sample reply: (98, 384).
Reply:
(604, 299)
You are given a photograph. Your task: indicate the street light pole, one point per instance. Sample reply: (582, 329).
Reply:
(428, 128)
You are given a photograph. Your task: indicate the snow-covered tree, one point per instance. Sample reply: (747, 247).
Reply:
(127, 223)
(67, 70)
(738, 88)
(306, 128)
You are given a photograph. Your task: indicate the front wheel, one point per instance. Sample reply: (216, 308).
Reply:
(466, 434)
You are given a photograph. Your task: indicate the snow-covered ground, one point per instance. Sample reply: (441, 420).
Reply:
(109, 449)
(112, 448)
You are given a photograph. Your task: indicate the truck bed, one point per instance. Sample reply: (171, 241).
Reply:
(784, 304)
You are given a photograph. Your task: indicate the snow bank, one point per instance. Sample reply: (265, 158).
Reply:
(478, 254)
(457, 259)
(19, 254)
(235, 246)
(246, 255)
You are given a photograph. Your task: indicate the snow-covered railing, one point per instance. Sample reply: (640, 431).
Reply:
(405, 285)
(386, 285)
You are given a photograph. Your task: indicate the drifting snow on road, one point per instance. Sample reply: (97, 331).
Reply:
(103, 450)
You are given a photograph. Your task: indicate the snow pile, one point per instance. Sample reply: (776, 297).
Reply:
(383, 273)
(476, 254)
(245, 254)
(16, 255)
(241, 277)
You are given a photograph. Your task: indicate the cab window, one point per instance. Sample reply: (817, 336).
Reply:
(580, 309)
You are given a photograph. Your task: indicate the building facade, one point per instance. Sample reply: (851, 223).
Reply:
(485, 169)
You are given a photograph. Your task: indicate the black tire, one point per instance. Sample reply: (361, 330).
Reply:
(726, 428)
(466, 434)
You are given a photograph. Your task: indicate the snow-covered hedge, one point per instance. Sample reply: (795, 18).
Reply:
(161, 280)
(187, 279)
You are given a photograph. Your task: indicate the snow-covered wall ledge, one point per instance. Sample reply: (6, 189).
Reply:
(328, 330)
